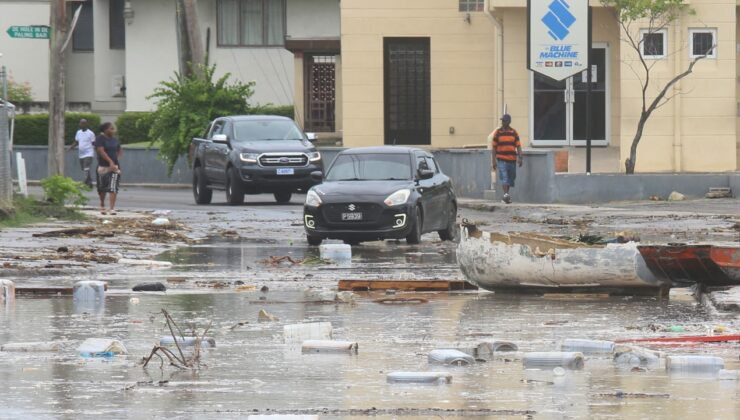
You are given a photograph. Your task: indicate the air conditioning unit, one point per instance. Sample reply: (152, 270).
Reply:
(118, 86)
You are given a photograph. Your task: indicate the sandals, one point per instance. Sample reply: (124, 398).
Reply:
(103, 212)
(112, 212)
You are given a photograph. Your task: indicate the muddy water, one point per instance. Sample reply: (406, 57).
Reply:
(251, 368)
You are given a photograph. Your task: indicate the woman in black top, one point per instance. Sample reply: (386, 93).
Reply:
(109, 172)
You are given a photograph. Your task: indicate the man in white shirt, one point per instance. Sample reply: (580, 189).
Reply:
(84, 140)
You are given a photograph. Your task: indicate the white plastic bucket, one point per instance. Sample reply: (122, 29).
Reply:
(7, 291)
(338, 253)
(89, 291)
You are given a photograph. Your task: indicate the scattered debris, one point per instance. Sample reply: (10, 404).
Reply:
(276, 261)
(676, 196)
(397, 300)
(622, 394)
(405, 285)
(264, 316)
(337, 253)
(150, 287)
(176, 280)
(719, 192)
(419, 377)
(329, 346)
(65, 233)
(264, 289)
(694, 363)
(345, 297)
(89, 290)
(238, 324)
(245, 288)
(161, 221)
(587, 346)
(101, 347)
(41, 346)
(178, 360)
(728, 375)
(684, 339)
(134, 301)
(636, 356)
(449, 357)
(567, 360)
(7, 291)
(62, 249)
(205, 342)
(298, 333)
(150, 263)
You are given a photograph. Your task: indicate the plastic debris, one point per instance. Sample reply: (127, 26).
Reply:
(161, 221)
(205, 342)
(282, 417)
(728, 375)
(7, 291)
(587, 346)
(558, 371)
(329, 346)
(419, 377)
(298, 333)
(101, 347)
(676, 196)
(694, 363)
(42, 346)
(566, 360)
(345, 297)
(149, 263)
(634, 356)
(134, 301)
(89, 291)
(338, 253)
(150, 287)
(264, 316)
(450, 357)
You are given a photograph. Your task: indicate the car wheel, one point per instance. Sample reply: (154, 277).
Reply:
(201, 193)
(313, 240)
(234, 191)
(414, 237)
(283, 197)
(451, 233)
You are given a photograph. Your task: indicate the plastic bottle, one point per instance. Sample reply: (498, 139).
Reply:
(419, 377)
(7, 291)
(694, 364)
(89, 291)
(338, 253)
(566, 360)
(450, 357)
(587, 346)
(329, 346)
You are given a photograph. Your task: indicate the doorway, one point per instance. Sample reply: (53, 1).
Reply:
(558, 108)
(407, 99)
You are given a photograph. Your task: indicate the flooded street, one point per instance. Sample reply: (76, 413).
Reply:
(225, 280)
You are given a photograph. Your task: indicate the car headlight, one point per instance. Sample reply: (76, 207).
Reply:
(312, 199)
(397, 198)
(314, 156)
(249, 157)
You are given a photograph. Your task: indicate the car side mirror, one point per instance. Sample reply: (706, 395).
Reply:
(311, 137)
(317, 176)
(220, 138)
(426, 174)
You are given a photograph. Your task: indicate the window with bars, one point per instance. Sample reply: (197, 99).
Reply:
(320, 92)
(251, 23)
(653, 43)
(702, 41)
(471, 5)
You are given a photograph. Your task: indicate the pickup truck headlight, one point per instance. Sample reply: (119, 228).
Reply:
(248, 157)
(314, 156)
(312, 199)
(397, 198)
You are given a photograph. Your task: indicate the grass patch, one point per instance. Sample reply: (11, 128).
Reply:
(27, 211)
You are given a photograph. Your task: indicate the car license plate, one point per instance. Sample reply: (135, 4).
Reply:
(285, 171)
(351, 216)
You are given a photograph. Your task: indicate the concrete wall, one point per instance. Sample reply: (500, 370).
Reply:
(27, 60)
(312, 18)
(462, 68)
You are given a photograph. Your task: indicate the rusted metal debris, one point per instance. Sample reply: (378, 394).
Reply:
(178, 360)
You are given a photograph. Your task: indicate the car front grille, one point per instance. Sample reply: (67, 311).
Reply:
(288, 159)
(370, 213)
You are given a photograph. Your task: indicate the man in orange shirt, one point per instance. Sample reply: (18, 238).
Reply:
(506, 153)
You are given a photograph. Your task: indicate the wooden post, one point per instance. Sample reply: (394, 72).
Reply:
(194, 37)
(57, 76)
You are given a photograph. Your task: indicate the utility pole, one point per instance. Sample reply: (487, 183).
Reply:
(6, 179)
(57, 77)
(191, 42)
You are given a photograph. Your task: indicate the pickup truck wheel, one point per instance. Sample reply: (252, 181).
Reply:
(414, 237)
(201, 193)
(234, 191)
(313, 240)
(283, 197)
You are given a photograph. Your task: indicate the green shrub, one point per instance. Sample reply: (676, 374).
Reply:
(60, 190)
(270, 109)
(34, 129)
(133, 127)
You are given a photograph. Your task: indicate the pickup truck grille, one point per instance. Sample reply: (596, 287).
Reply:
(288, 159)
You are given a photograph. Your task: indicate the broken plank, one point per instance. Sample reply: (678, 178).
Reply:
(65, 232)
(405, 285)
(47, 291)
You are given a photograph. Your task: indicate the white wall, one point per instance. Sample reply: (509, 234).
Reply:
(27, 60)
(313, 18)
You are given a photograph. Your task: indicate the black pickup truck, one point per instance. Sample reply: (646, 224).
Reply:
(253, 154)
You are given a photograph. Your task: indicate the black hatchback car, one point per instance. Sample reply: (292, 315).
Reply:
(374, 193)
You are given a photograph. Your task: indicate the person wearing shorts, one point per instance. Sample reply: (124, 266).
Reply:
(109, 152)
(507, 154)
(84, 140)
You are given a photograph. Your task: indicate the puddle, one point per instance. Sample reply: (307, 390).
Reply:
(251, 368)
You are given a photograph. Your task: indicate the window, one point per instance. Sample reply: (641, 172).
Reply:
(251, 23)
(432, 164)
(471, 5)
(701, 42)
(117, 26)
(82, 38)
(653, 43)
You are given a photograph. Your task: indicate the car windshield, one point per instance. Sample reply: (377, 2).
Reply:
(255, 130)
(370, 167)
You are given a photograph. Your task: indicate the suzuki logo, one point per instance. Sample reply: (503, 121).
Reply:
(558, 19)
(351, 207)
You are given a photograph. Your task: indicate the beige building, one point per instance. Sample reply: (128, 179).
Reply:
(440, 72)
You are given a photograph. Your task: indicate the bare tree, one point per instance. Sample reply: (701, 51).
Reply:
(652, 16)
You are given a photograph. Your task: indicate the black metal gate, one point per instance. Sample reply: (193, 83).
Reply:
(407, 91)
(320, 91)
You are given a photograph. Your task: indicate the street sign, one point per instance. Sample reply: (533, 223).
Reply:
(32, 32)
(558, 37)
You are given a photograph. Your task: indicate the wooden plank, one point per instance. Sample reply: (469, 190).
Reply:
(405, 285)
(44, 291)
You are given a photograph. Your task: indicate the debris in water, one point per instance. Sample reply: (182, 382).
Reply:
(205, 342)
(101, 347)
(329, 346)
(178, 360)
(676, 196)
(400, 300)
(419, 377)
(622, 394)
(42, 346)
(264, 316)
(150, 287)
(568, 360)
(449, 357)
(64, 233)
(587, 346)
(298, 333)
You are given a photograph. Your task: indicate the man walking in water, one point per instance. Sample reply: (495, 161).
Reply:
(84, 140)
(506, 152)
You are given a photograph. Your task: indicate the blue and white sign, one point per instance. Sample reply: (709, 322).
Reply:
(558, 37)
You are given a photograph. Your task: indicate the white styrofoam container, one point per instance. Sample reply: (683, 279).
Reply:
(298, 333)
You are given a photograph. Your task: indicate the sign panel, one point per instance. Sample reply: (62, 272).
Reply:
(558, 37)
(33, 32)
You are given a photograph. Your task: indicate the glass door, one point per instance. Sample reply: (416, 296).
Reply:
(558, 108)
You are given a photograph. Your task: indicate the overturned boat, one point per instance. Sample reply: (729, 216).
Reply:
(543, 264)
